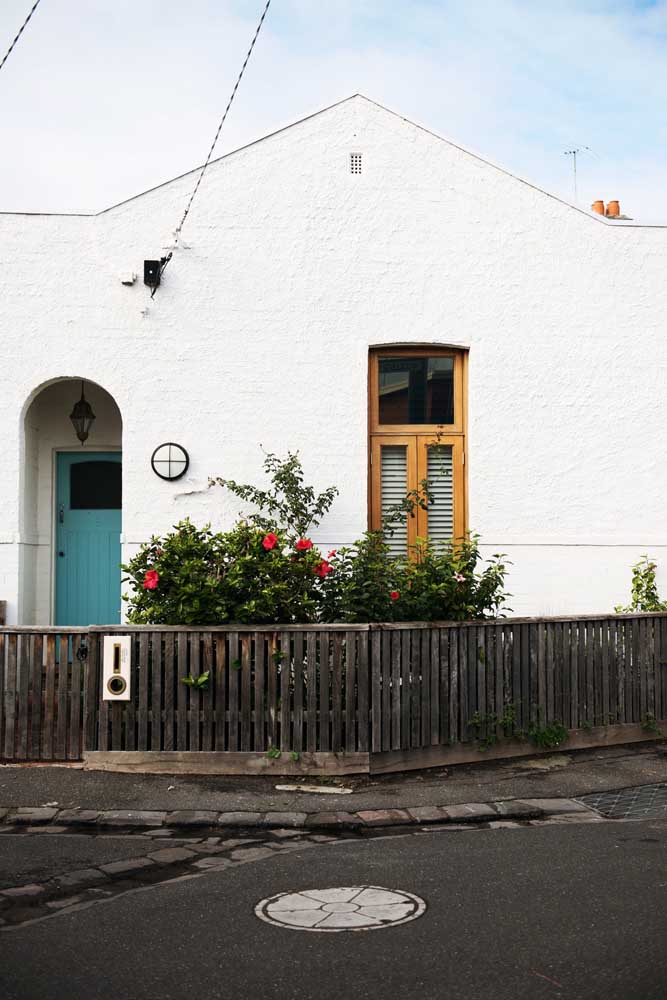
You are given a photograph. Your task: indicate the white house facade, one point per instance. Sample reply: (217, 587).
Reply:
(343, 287)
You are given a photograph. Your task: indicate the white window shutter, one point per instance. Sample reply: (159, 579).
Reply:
(440, 475)
(394, 486)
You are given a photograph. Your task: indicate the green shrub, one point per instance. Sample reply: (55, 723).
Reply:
(196, 577)
(266, 571)
(443, 582)
(644, 595)
(362, 582)
(175, 579)
(288, 502)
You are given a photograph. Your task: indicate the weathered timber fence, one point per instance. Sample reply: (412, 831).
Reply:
(43, 684)
(338, 697)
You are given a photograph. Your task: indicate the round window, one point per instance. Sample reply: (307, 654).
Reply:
(170, 461)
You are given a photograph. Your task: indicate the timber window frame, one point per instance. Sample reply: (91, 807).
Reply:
(416, 439)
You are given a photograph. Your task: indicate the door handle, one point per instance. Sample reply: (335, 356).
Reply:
(61, 513)
(61, 554)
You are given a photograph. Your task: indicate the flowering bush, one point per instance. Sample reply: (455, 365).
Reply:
(266, 570)
(444, 582)
(361, 583)
(198, 577)
(438, 583)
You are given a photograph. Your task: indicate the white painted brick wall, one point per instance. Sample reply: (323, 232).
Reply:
(290, 268)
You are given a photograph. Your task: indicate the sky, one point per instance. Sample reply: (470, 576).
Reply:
(102, 99)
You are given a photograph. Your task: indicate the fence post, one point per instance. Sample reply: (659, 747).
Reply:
(363, 693)
(375, 689)
(91, 693)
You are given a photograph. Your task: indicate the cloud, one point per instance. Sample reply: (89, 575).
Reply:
(100, 101)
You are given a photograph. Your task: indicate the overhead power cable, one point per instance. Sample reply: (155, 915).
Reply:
(20, 32)
(177, 233)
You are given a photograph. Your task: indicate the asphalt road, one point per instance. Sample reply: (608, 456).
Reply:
(26, 859)
(573, 911)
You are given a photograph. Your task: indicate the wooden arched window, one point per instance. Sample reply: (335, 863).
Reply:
(417, 432)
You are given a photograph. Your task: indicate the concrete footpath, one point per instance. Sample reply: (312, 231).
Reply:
(45, 794)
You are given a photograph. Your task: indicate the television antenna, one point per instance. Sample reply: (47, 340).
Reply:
(573, 153)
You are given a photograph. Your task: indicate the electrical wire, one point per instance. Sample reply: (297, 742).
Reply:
(20, 32)
(177, 233)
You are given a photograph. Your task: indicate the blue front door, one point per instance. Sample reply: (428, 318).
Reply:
(88, 526)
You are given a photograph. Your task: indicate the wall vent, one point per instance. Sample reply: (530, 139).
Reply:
(355, 163)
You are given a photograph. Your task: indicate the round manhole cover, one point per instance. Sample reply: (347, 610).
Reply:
(350, 908)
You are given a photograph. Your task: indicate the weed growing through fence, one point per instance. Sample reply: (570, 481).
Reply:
(273, 753)
(650, 724)
(201, 682)
(547, 737)
(488, 724)
(325, 779)
(484, 722)
(508, 718)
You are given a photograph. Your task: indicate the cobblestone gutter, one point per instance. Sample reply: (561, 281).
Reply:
(470, 812)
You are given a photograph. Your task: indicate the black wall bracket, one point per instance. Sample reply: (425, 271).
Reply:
(153, 271)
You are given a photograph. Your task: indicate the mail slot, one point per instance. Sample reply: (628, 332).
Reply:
(117, 668)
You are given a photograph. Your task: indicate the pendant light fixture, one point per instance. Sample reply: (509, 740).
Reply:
(82, 417)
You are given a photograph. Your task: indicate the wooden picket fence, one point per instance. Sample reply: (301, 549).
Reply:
(342, 698)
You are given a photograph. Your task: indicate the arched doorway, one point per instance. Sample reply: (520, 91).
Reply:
(71, 509)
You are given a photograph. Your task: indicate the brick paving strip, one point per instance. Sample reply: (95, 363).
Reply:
(179, 853)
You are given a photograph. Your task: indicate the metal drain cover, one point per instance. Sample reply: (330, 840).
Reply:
(348, 908)
(641, 802)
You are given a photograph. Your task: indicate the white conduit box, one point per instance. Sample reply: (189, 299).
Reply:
(116, 668)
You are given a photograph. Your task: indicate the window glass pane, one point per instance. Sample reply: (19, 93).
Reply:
(394, 480)
(416, 390)
(439, 473)
(95, 486)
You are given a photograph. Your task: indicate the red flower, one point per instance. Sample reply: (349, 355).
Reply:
(303, 544)
(270, 541)
(331, 554)
(151, 578)
(395, 594)
(322, 568)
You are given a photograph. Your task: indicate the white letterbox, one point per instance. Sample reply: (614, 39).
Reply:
(116, 664)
